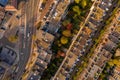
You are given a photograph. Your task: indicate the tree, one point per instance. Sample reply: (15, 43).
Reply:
(64, 40)
(76, 9)
(76, 26)
(75, 31)
(66, 33)
(13, 39)
(65, 22)
(77, 1)
(60, 53)
(113, 62)
(83, 3)
(69, 26)
(76, 20)
(102, 76)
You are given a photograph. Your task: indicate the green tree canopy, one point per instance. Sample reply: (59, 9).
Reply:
(76, 9)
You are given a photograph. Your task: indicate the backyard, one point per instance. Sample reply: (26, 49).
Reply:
(77, 12)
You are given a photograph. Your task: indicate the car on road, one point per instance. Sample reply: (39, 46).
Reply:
(28, 35)
(16, 70)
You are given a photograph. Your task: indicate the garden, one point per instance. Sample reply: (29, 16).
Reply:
(70, 26)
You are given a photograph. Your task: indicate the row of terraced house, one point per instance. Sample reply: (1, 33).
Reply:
(44, 36)
(103, 52)
(84, 41)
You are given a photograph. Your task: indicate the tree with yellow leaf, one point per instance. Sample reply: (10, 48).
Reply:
(76, 9)
(66, 33)
(13, 39)
(113, 62)
(64, 40)
(83, 3)
(77, 1)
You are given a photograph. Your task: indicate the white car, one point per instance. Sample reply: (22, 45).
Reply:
(28, 35)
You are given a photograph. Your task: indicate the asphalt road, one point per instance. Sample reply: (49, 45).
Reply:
(29, 15)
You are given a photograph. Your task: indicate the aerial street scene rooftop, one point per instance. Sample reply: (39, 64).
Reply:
(59, 39)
